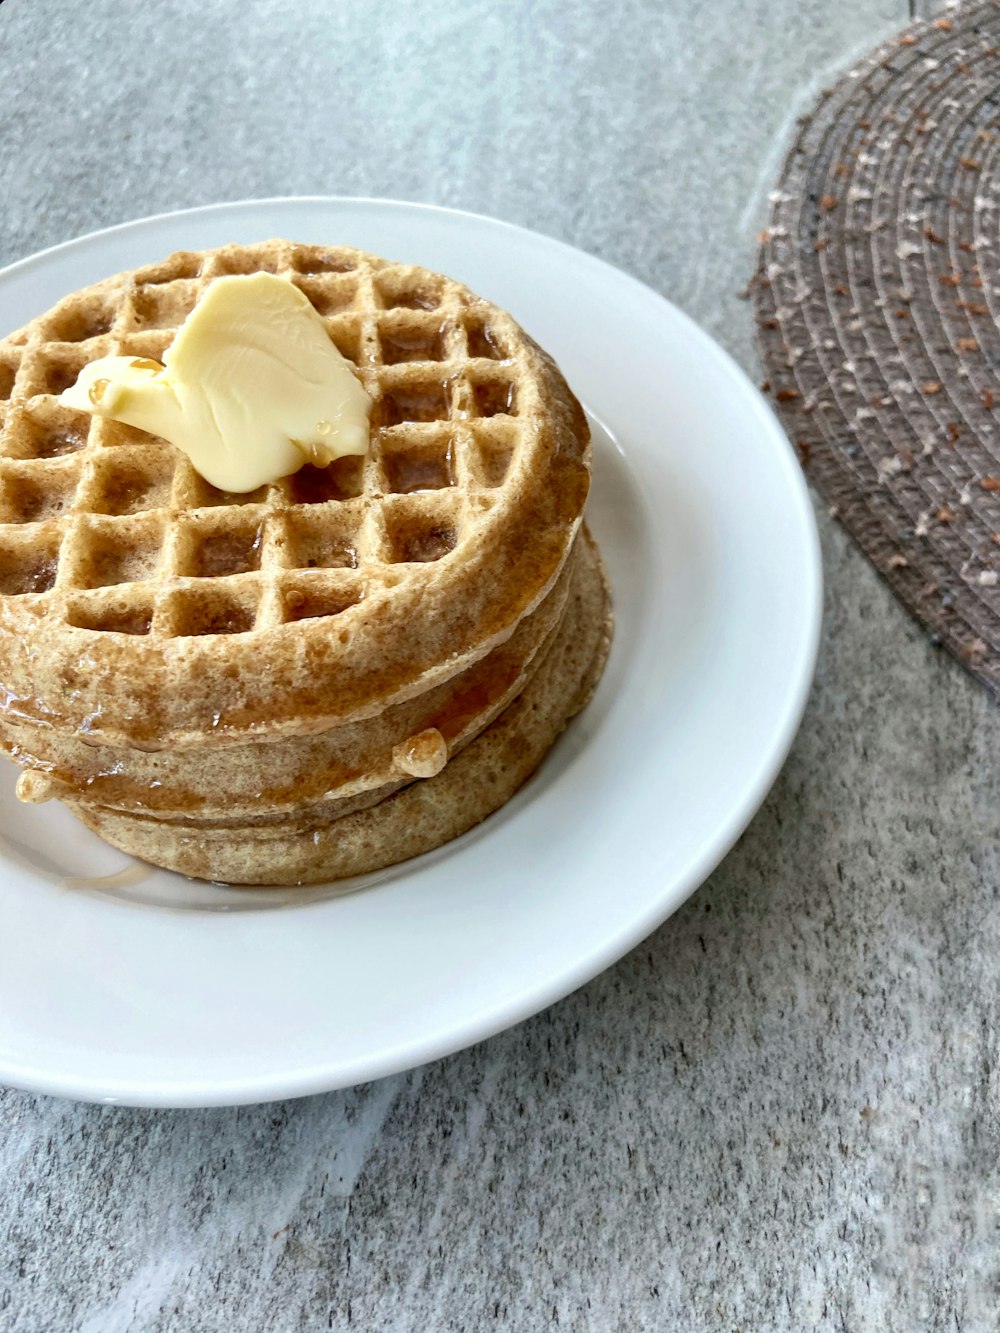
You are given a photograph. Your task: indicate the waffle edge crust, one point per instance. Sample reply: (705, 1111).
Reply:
(224, 684)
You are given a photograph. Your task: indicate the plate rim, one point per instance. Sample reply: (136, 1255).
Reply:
(394, 1058)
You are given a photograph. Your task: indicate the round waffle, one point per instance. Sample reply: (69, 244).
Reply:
(246, 687)
(259, 779)
(140, 604)
(422, 815)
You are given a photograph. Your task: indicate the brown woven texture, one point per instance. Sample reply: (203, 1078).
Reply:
(877, 304)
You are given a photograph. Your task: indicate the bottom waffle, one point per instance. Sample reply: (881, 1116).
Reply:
(418, 817)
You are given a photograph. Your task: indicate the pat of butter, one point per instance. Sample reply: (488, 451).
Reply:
(250, 389)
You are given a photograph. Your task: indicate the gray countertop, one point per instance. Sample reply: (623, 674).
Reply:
(783, 1110)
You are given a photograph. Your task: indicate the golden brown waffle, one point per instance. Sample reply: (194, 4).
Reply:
(246, 686)
(421, 816)
(138, 604)
(254, 782)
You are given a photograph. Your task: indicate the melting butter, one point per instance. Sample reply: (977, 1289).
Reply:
(250, 389)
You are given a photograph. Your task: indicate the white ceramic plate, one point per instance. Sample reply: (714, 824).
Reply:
(148, 989)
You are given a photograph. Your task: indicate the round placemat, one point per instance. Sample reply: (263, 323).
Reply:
(877, 304)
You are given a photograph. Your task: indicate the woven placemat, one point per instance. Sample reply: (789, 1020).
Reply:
(877, 304)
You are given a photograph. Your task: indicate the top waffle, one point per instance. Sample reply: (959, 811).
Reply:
(139, 603)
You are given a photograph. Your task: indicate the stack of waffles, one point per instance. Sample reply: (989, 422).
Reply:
(330, 674)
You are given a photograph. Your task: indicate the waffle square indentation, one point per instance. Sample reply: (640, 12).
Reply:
(58, 369)
(29, 562)
(113, 434)
(80, 322)
(32, 492)
(320, 540)
(402, 291)
(409, 466)
(218, 550)
(212, 609)
(329, 296)
(495, 397)
(344, 479)
(419, 533)
(484, 342)
(43, 434)
(421, 401)
(321, 261)
(112, 551)
(129, 481)
(162, 306)
(412, 341)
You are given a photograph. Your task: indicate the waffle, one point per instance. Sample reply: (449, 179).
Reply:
(174, 656)
(420, 816)
(113, 548)
(254, 782)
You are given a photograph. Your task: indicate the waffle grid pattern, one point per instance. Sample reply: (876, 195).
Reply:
(119, 534)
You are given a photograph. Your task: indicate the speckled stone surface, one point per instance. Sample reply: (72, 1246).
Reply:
(783, 1110)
